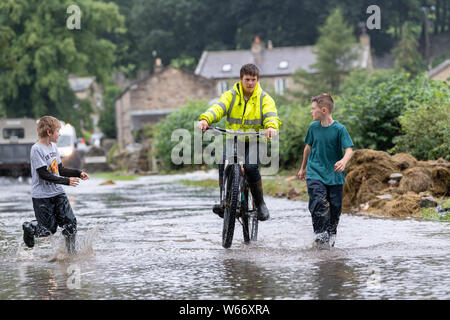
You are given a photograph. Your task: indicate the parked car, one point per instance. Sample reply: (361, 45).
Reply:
(17, 136)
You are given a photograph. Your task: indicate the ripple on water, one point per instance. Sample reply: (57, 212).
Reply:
(152, 239)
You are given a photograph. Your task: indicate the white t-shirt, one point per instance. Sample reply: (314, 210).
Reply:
(49, 157)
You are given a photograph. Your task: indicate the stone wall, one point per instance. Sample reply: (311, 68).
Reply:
(123, 120)
(169, 89)
(155, 96)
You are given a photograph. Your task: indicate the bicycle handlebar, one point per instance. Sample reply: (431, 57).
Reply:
(235, 133)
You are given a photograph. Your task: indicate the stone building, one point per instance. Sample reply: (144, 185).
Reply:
(88, 88)
(277, 65)
(155, 96)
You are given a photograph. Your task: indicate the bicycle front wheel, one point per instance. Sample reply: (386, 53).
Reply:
(232, 198)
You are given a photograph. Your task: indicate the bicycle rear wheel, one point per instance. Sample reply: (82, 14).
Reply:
(232, 198)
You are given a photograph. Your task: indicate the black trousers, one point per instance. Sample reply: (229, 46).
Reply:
(325, 205)
(251, 163)
(53, 212)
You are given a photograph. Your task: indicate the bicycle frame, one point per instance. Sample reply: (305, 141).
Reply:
(243, 213)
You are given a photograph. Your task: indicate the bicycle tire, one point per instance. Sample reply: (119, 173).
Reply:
(254, 227)
(232, 198)
(249, 222)
(245, 216)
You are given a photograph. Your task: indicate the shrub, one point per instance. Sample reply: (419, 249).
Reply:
(371, 109)
(425, 126)
(295, 122)
(184, 118)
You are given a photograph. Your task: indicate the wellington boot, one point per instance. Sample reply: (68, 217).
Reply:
(258, 196)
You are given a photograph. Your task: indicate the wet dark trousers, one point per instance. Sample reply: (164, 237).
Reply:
(325, 205)
(53, 212)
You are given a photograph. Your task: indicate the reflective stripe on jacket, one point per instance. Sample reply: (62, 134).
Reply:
(260, 110)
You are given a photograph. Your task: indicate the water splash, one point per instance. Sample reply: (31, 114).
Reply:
(83, 247)
(54, 248)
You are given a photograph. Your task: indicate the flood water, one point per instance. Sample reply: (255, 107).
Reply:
(152, 238)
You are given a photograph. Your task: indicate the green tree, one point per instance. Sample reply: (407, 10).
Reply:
(335, 50)
(184, 118)
(371, 109)
(296, 119)
(407, 57)
(425, 125)
(43, 52)
(107, 121)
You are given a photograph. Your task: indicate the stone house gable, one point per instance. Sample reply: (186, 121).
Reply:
(152, 98)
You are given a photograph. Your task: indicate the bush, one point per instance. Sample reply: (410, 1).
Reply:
(372, 103)
(295, 123)
(107, 121)
(425, 126)
(184, 118)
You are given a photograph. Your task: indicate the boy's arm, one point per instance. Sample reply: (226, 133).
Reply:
(341, 164)
(306, 152)
(45, 175)
(215, 112)
(270, 114)
(67, 172)
(302, 171)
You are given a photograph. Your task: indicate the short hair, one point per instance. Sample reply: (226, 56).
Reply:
(47, 123)
(324, 100)
(249, 69)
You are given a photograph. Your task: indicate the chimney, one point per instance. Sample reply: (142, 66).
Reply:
(257, 49)
(158, 65)
(257, 46)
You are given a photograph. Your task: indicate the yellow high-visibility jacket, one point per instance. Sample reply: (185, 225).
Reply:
(260, 111)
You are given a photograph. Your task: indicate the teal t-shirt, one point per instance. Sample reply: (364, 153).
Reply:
(327, 144)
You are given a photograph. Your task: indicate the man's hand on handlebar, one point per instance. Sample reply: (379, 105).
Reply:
(203, 125)
(271, 132)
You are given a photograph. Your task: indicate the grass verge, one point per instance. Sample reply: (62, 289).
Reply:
(432, 215)
(279, 186)
(114, 175)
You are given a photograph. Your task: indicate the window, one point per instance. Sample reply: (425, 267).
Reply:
(283, 64)
(280, 85)
(222, 86)
(226, 67)
(13, 132)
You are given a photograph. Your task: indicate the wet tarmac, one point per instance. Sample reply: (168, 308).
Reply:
(152, 238)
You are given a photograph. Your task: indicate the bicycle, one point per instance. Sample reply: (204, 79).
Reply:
(235, 195)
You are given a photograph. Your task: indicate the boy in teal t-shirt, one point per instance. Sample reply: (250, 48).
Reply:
(323, 169)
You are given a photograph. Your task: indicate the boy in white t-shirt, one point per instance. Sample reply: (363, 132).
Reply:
(50, 203)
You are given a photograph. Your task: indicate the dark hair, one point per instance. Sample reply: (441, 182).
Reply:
(324, 100)
(249, 69)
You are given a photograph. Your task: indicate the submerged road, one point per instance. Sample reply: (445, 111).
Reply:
(152, 238)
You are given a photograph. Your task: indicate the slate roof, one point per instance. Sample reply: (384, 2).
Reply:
(270, 61)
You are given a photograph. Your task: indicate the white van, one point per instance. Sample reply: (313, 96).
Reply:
(67, 146)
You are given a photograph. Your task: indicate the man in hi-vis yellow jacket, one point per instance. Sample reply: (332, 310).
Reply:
(247, 108)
